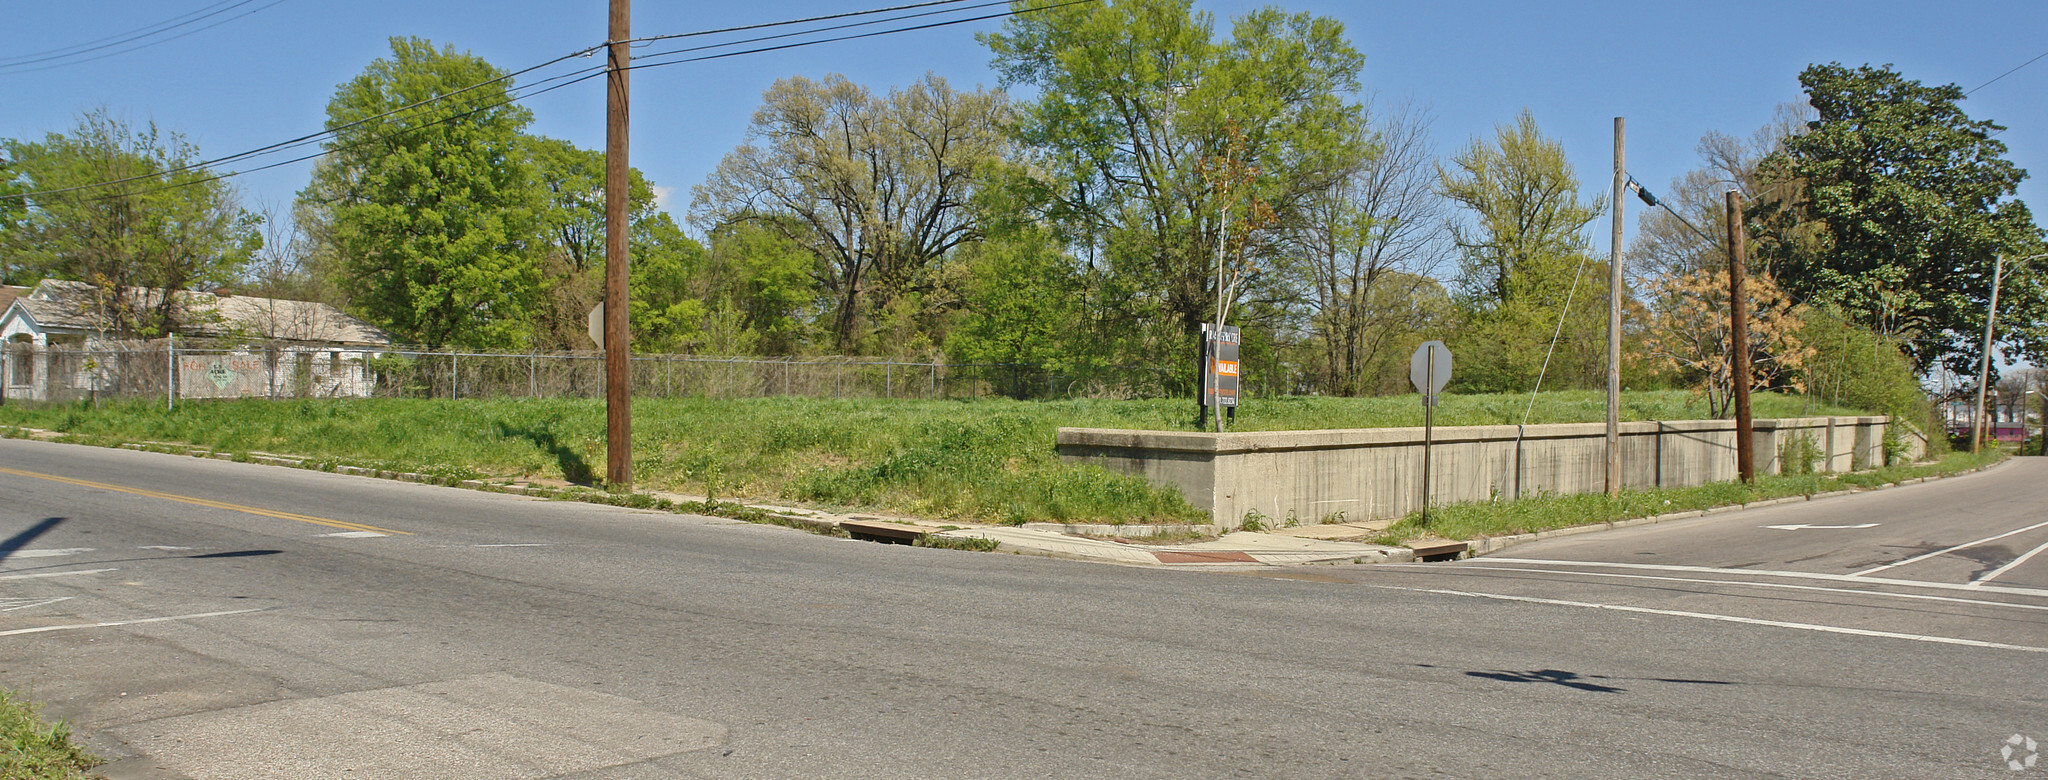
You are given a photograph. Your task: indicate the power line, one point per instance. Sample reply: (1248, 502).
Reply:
(814, 31)
(140, 46)
(1994, 80)
(876, 33)
(101, 43)
(574, 77)
(765, 25)
(322, 135)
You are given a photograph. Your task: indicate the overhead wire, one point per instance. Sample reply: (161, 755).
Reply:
(786, 22)
(526, 92)
(324, 134)
(101, 43)
(876, 33)
(12, 70)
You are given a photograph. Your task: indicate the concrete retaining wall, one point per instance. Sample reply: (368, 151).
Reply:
(1313, 476)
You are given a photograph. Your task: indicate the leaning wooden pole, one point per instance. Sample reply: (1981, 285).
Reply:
(618, 371)
(1738, 329)
(1614, 318)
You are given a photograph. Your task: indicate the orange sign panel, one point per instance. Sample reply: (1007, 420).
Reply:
(1226, 368)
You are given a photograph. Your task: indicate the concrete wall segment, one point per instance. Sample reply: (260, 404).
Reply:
(1313, 476)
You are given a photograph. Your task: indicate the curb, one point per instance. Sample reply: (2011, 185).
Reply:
(1129, 554)
(1494, 544)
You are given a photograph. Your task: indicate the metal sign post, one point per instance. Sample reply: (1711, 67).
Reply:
(1429, 369)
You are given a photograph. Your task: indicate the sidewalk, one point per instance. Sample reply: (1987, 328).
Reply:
(1284, 547)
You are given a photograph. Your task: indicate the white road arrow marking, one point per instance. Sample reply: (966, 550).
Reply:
(1803, 526)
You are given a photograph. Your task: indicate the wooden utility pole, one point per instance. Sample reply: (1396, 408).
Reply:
(618, 371)
(1977, 423)
(1738, 336)
(1614, 321)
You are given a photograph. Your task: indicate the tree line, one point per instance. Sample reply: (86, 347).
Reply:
(1167, 169)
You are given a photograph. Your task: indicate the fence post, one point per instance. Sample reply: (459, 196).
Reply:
(532, 375)
(889, 382)
(171, 373)
(454, 376)
(785, 376)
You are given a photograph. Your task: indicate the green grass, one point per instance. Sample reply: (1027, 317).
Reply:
(1548, 512)
(38, 750)
(982, 460)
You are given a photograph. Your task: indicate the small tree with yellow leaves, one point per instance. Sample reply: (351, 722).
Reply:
(1689, 335)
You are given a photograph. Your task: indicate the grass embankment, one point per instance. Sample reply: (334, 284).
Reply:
(37, 750)
(983, 460)
(1550, 512)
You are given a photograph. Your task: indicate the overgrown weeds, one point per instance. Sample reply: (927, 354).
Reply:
(36, 749)
(981, 461)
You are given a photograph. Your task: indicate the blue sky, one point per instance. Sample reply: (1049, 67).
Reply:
(1675, 71)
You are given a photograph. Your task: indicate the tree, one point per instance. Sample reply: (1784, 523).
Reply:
(1689, 335)
(1136, 100)
(433, 204)
(570, 235)
(1367, 247)
(167, 225)
(1525, 275)
(1910, 201)
(876, 187)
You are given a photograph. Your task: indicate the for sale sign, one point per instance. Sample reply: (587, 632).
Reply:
(1220, 365)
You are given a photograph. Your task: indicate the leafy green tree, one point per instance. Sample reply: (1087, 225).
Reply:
(571, 224)
(1139, 103)
(666, 316)
(433, 204)
(765, 281)
(1910, 202)
(1525, 275)
(1022, 303)
(168, 226)
(875, 186)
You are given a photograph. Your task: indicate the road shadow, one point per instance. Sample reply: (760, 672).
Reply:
(574, 468)
(236, 554)
(1552, 676)
(16, 542)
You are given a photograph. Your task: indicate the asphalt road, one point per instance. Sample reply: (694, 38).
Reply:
(216, 620)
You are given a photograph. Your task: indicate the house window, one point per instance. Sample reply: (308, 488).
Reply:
(20, 354)
(334, 362)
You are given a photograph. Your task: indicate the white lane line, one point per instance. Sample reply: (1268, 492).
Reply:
(522, 544)
(113, 623)
(1993, 574)
(1945, 640)
(1805, 575)
(1780, 585)
(163, 547)
(12, 603)
(48, 553)
(351, 535)
(1963, 546)
(42, 574)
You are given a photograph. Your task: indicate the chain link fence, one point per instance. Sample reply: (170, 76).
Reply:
(174, 370)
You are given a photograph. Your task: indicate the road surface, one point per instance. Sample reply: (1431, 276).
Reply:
(207, 619)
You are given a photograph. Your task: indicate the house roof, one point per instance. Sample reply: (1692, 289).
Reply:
(70, 305)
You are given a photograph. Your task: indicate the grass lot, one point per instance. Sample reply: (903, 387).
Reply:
(37, 750)
(1543, 513)
(984, 460)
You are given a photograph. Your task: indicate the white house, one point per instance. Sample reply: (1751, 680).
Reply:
(58, 346)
